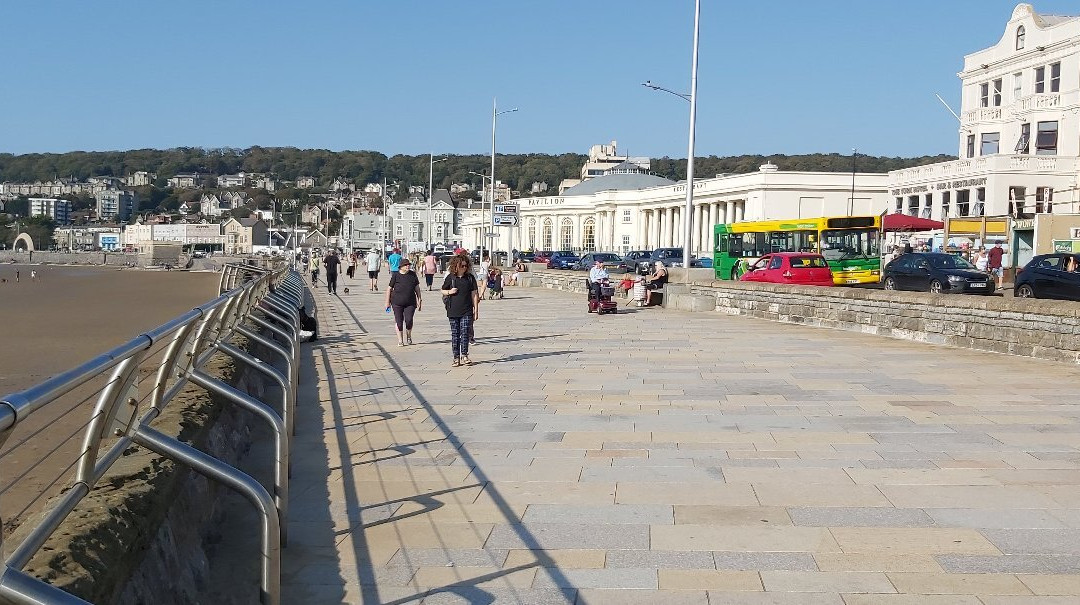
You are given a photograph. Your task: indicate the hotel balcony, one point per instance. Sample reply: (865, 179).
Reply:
(989, 164)
(1021, 107)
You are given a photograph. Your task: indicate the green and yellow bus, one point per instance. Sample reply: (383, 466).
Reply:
(850, 244)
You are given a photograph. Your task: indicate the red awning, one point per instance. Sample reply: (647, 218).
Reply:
(906, 222)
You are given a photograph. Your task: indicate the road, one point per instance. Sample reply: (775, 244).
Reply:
(666, 457)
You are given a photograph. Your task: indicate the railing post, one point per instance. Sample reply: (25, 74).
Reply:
(217, 470)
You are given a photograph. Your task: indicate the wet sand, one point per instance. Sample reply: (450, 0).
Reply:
(67, 316)
(70, 314)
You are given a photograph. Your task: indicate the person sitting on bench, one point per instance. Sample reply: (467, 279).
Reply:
(656, 281)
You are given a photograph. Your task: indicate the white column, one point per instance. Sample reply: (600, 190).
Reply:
(614, 229)
(740, 211)
(731, 212)
(665, 228)
(698, 226)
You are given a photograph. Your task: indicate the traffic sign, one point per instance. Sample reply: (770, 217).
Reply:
(506, 209)
(504, 220)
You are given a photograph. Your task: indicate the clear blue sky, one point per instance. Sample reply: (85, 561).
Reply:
(413, 76)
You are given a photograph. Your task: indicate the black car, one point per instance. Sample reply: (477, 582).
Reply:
(563, 259)
(1049, 276)
(634, 258)
(936, 272)
(611, 261)
(670, 257)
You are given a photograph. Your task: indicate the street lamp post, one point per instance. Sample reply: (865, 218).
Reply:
(495, 113)
(431, 192)
(692, 98)
(483, 229)
(851, 204)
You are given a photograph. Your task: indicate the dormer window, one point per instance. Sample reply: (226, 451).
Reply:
(1020, 38)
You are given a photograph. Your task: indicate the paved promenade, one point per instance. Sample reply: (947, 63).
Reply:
(666, 457)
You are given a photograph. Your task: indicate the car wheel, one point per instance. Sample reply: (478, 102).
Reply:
(935, 286)
(1025, 291)
(890, 283)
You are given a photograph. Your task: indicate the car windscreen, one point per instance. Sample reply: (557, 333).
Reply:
(948, 261)
(607, 257)
(808, 262)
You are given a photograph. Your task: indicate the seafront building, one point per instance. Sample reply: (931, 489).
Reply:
(1018, 138)
(116, 205)
(628, 209)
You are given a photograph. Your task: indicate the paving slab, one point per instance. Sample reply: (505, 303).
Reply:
(656, 456)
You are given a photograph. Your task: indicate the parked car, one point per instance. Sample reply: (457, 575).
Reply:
(936, 272)
(563, 259)
(527, 257)
(706, 262)
(790, 268)
(1049, 276)
(671, 257)
(541, 256)
(612, 262)
(635, 258)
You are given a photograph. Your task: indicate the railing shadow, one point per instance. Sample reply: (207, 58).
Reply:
(361, 517)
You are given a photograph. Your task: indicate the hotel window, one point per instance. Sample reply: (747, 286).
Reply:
(990, 142)
(532, 234)
(400, 214)
(1044, 199)
(980, 201)
(1016, 200)
(1046, 138)
(1018, 85)
(1055, 77)
(963, 198)
(928, 205)
(971, 146)
(899, 205)
(1024, 142)
(567, 234)
(588, 235)
(997, 92)
(626, 216)
(547, 233)
(984, 94)
(1020, 38)
(1040, 79)
(913, 205)
(397, 230)
(625, 240)
(415, 215)
(946, 197)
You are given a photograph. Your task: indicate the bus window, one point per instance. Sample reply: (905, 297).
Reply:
(845, 244)
(721, 242)
(735, 248)
(753, 245)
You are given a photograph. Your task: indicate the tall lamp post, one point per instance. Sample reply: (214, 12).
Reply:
(495, 113)
(851, 204)
(483, 229)
(692, 98)
(431, 192)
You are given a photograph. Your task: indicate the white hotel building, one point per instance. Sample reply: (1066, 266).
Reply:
(1019, 135)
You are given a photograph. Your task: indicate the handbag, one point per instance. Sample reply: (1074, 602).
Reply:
(445, 298)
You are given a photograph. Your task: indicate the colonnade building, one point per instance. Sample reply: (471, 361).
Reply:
(624, 211)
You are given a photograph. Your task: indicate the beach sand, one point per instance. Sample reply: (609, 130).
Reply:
(67, 316)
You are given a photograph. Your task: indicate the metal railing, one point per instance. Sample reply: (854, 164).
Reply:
(259, 304)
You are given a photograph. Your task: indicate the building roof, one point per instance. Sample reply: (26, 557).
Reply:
(617, 182)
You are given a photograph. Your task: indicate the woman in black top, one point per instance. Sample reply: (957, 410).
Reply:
(404, 296)
(462, 298)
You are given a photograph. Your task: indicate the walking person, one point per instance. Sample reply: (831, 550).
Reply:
(351, 271)
(981, 260)
(462, 300)
(313, 266)
(994, 264)
(373, 260)
(33, 275)
(331, 262)
(431, 267)
(394, 260)
(403, 295)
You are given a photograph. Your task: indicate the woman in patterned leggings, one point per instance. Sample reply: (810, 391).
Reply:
(462, 300)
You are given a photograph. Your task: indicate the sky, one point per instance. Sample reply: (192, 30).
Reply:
(421, 76)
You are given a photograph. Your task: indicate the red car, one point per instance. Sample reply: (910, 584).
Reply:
(790, 268)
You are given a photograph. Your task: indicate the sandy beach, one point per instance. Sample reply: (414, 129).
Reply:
(68, 315)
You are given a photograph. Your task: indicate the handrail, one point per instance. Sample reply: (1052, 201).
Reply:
(264, 297)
